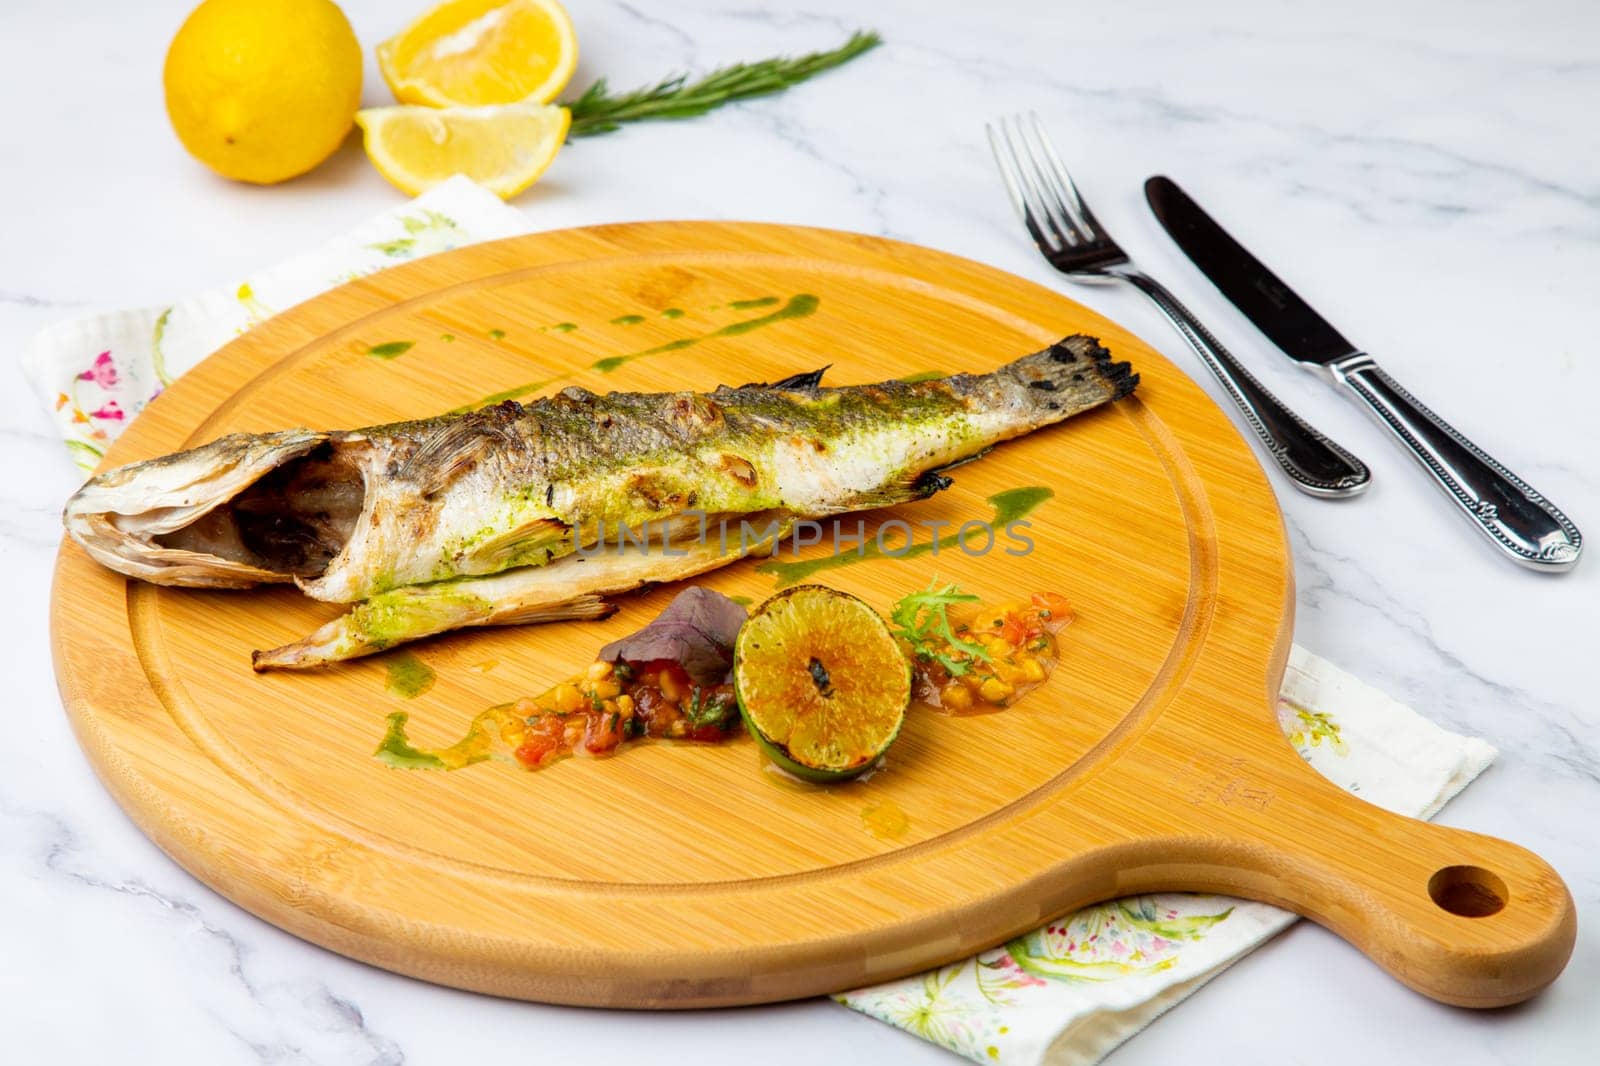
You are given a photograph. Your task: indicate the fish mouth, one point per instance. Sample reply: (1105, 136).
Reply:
(240, 511)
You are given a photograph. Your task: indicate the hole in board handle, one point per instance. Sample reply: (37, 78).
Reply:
(1468, 891)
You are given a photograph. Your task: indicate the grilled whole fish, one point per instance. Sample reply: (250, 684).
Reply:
(481, 518)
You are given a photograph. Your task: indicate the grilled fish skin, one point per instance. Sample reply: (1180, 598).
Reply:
(351, 516)
(569, 588)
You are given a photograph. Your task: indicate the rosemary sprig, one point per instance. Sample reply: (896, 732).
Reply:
(598, 111)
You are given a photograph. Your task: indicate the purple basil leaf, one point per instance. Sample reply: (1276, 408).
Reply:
(696, 631)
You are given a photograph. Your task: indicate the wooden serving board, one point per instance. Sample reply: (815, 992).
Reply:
(683, 875)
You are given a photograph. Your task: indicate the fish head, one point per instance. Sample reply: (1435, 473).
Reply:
(201, 518)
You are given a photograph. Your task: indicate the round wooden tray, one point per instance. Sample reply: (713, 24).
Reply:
(681, 875)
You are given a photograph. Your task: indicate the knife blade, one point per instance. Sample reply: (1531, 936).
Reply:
(1275, 308)
(1517, 519)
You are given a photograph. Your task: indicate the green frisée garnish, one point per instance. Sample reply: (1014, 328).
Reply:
(923, 621)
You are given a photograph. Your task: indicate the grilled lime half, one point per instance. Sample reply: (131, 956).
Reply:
(822, 685)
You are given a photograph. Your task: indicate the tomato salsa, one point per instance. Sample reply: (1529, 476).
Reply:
(611, 702)
(986, 661)
(990, 660)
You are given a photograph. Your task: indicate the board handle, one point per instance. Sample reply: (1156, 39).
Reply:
(1463, 918)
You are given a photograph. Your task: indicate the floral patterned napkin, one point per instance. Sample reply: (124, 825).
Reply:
(97, 373)
(1069, 992)
(1066, 993)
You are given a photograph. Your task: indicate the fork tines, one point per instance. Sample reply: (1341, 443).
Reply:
(1041, 188)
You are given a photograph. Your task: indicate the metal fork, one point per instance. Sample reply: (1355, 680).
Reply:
(1075, 243)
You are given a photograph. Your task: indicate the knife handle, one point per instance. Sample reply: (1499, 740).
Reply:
(1508, 510)
(1315, 464)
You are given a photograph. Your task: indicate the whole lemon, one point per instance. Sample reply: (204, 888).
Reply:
(263, 90)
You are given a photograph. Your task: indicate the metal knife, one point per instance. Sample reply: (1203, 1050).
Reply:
(1521, 523)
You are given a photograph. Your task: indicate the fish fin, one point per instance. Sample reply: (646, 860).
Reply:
(569, 587)
(908, 488)
(447, 452)
(410, 614)
(380, 623)
(530, 535)
(321, 648)
(588, 607)
(1119, 377)
(963, 461)
(928, 482)
(810, 379)
(1078, 364)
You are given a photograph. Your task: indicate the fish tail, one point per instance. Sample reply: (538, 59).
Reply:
(1072, 375)
(1077, 367)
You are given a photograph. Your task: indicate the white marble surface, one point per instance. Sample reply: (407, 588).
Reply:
(1425, 171)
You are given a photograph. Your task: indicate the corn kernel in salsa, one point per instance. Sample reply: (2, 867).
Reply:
(990, 660)
(595, 712)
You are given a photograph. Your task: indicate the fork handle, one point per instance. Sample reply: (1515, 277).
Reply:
(1506, 509)
(1315, 464)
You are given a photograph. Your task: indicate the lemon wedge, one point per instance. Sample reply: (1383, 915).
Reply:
(504, 149)
(475, 53)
